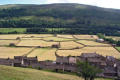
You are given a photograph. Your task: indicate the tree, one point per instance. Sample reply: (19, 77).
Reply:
(12, 45)
(100, 35)
(18, 38)
(87, 71)
(118, 43)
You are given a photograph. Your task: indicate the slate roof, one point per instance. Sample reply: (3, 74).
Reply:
(87, 55)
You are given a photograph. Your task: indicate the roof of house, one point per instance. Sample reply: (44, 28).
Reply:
(110, 70)
(89, 55)
(16, 61)
(94, 60)
(19, 57)
(31, 58)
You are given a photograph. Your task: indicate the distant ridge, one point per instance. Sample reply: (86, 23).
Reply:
(89, 19)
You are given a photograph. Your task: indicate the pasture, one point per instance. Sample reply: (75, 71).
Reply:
(114, 37)
(40, 45)
(12, 30)
(15, 73)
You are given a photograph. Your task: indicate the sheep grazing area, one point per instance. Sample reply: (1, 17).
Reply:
(15, 73)
(44, 46)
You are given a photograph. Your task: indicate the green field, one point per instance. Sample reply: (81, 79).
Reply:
(118, 48)
(13, 73)
(12, 30)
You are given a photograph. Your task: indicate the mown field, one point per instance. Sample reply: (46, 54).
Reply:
(13, 73)
(41, 45)
(105, 51)
(10, 52)
(44, 54)
(36, 43)
(57, 39)
(93, 37)
(70, 45)
(13, 36)
(7, 42)
(92, 43)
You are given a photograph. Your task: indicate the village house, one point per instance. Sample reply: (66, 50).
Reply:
(28, 61)
(109, 65)
(24, 61)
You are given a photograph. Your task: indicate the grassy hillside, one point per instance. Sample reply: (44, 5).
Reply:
(12, 73)
(83, 19)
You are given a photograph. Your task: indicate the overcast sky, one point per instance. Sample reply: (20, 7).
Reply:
(100, 3)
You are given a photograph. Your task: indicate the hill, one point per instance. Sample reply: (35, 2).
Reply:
(13, 73)
(77, 18)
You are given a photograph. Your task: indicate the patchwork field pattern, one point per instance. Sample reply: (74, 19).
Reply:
(41, 45)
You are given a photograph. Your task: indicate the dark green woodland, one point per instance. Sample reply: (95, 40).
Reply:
(61, 18)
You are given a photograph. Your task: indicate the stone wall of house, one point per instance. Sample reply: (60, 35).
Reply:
(109, 65)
